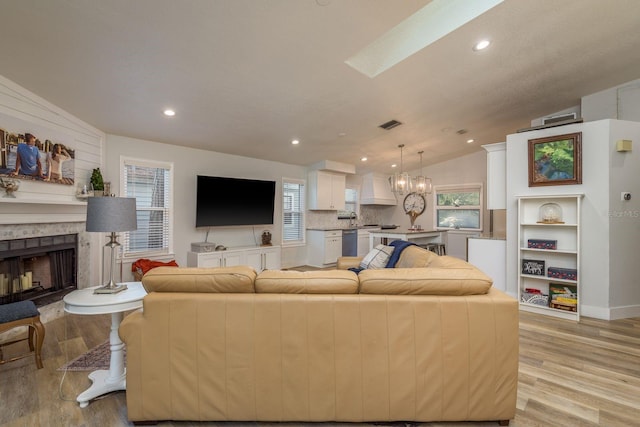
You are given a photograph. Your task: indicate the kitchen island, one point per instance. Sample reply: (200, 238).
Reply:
(426, 236)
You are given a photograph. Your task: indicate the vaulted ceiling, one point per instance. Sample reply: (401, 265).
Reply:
(246, 77)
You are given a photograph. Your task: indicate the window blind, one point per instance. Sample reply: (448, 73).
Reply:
(293, 197)
(151, 186)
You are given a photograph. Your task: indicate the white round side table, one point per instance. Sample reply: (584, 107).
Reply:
(84, 301)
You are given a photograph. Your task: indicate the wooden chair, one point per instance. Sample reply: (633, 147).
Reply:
(438, 248)
(22, 313)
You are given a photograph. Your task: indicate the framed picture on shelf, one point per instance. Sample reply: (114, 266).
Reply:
(535, 267)
(555, 160)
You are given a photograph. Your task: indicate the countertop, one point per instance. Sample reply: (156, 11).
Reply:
(408, 231)
(489, 236)
(359, 227)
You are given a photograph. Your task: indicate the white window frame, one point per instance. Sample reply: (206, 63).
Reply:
(356, 210)
(438, 189)
(301, 211)
(168, 250)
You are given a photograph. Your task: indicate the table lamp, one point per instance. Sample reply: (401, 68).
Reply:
(111, 214)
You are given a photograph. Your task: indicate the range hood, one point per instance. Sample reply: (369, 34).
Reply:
(376, 190)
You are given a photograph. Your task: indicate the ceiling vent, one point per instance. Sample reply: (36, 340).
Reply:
(390, 124)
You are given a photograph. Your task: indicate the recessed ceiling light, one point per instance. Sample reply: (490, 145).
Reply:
(482, 44)
(394, 165)
(469, 141)
(364, 159)
(169, 113)
(295, 142)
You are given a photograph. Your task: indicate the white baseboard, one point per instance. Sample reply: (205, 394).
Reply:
(613, 313)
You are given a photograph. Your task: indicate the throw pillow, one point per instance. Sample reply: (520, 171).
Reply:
(377, 257)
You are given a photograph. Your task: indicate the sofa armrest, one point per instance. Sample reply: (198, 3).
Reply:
(346, 262)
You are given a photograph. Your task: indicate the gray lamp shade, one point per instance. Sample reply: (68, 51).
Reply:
(110, 214)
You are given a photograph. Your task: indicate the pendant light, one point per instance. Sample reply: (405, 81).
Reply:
(400, 182)
(422, 184)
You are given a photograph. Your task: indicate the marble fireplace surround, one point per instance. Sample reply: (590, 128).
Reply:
(22, 231)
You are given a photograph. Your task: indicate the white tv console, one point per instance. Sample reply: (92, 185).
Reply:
(259, 257)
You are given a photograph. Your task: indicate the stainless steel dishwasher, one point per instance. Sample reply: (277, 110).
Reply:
(350, 242)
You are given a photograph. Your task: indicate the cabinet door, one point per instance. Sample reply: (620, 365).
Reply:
(363, 244)
(231, 259)
(253, 259)
(338, 186)
(208, 260)
(271, 259)
(326, 190)
(332, 249)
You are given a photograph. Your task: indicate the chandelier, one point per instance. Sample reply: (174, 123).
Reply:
(401, 181)
(422, 184)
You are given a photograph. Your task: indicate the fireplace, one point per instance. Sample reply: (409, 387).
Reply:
(41, 269)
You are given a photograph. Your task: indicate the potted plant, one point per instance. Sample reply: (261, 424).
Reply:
(97, 183)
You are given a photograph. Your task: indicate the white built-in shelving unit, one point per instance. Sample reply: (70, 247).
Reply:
(565, 255)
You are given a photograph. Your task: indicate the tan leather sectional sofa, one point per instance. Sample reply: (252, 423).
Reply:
(433, 343)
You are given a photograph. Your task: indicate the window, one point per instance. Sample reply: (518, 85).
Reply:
(350, 203)
(151, 184)
(459, 207)
(293, 197)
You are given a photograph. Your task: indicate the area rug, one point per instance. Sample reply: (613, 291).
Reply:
(96, 358)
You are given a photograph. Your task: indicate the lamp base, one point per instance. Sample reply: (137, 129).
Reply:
(107, 289)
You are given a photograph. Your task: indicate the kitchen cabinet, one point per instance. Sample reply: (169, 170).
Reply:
(323, 247)
(456, 242)
(326, 191)
(496, 175)
(549, 255)
(264, 258)
(363, 240)
(489, 253)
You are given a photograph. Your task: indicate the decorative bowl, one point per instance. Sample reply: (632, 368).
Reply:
(10, 186)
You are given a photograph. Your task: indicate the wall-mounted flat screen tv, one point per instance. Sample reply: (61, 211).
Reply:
(222, 201)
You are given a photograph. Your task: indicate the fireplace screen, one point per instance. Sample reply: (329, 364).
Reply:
(42, 269)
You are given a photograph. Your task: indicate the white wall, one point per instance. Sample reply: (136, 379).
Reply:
(624, 221)
(598, 282)
(38, 202)
(621, 102)
(188, 163)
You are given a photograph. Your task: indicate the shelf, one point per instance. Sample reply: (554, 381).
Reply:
(549, 279)
(43, 201)
(567, 254)
(538, 224)
(551, 251)
(534, 308)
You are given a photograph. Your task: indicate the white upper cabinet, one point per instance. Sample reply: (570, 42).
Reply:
(326, 191)
(496, 175)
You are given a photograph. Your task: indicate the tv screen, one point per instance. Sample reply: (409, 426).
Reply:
(233, 201)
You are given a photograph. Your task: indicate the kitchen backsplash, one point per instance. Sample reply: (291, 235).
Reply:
(326, 219)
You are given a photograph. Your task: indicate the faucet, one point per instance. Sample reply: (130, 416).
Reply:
(352, 219)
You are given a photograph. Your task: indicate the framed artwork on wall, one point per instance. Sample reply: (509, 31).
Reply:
(555, 160)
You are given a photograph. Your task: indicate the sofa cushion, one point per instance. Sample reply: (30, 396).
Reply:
(425, 281)
(238, 279)
(377, 257)
(446, 261)
(307, 282)
(415, 256)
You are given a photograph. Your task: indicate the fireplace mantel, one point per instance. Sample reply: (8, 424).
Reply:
(43, 201)
(41, 210)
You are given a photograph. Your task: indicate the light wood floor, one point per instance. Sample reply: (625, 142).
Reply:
(571, 374)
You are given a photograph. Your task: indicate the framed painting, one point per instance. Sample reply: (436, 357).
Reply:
(555, 160)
